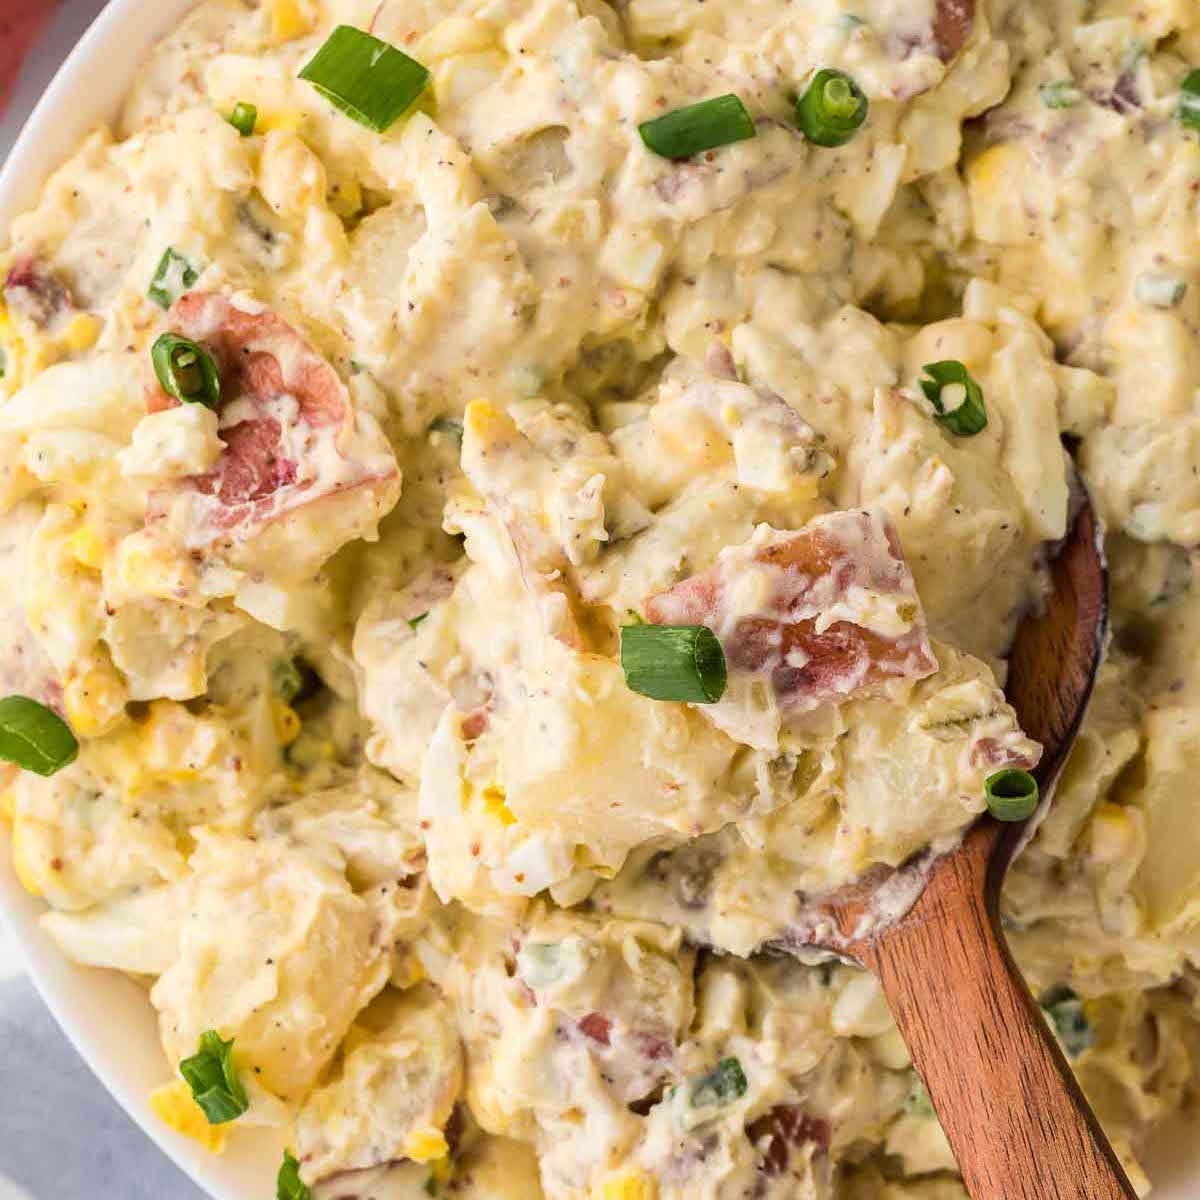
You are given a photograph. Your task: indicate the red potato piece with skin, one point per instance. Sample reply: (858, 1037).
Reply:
(782, 606)
(952, 24)
(597, 1027)
(36, 293)
(293, 442)
(785, 1127)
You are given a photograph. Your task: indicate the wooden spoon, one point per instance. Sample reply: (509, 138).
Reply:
(1003, 1091)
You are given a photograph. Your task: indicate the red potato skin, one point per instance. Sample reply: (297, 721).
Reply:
(785, 1127)
(36, 292)
(952, 25)
(597, 1027)
(253, 470)
(246, 369)
(807, 666)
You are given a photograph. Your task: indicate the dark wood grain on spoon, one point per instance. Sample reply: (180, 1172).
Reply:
(1004, 1093)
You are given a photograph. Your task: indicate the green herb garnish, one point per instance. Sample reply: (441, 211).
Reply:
(1012, 794)
(186, 370)
(965, 415)
(1064, 1011)
(724, 1083)
(368, 79)
(288, 1184)
(213, 1078)
(1060, 93)
(674, 662)
(174, 277)
(244, 118)
(832, 108)
(35, 737)
(1187, 112)
(698, 127)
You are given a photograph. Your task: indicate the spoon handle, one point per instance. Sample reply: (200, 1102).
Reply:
(1003, 1091)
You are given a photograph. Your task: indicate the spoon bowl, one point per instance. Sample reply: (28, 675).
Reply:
(1003, 1090)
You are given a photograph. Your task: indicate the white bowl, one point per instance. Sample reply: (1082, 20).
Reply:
(107, 1017)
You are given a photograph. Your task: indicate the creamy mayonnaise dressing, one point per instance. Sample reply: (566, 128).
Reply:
(362, 784)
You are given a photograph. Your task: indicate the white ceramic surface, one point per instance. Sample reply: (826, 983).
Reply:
(107, 1017)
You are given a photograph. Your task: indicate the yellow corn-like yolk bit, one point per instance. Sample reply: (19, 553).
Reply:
(174, 1106)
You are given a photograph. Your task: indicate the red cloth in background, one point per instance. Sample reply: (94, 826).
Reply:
(21, 21)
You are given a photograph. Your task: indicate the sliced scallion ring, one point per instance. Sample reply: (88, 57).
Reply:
(35, 737)
(832, 108)
(674, 662)
(1188, 110)
(1012, 794)
(368, 79)
(698, 127)
(186, 370)
(244, 118)
(956, 398)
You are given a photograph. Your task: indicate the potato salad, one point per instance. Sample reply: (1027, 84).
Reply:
(501, 501)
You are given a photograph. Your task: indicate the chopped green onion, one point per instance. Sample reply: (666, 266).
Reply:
(449, 427)
(34, 737)
(214, 1081)
(244, 118)
(1188, 111)
(917, 1102)
(966, 414)
(414, 623)
(673, 662)
(285, 679)
(1064, 1011)
(3, 362)
(832, 108)
(293, 680)
(1060, 93)
(369, 80)
(186, 370)
(1012, 794)
(288, 1184)
(1159, 291)
(173, 278)
(698, 127)
(724, 1083)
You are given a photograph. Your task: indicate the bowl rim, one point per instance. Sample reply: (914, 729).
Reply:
(105, 1015)
(121, 1057)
